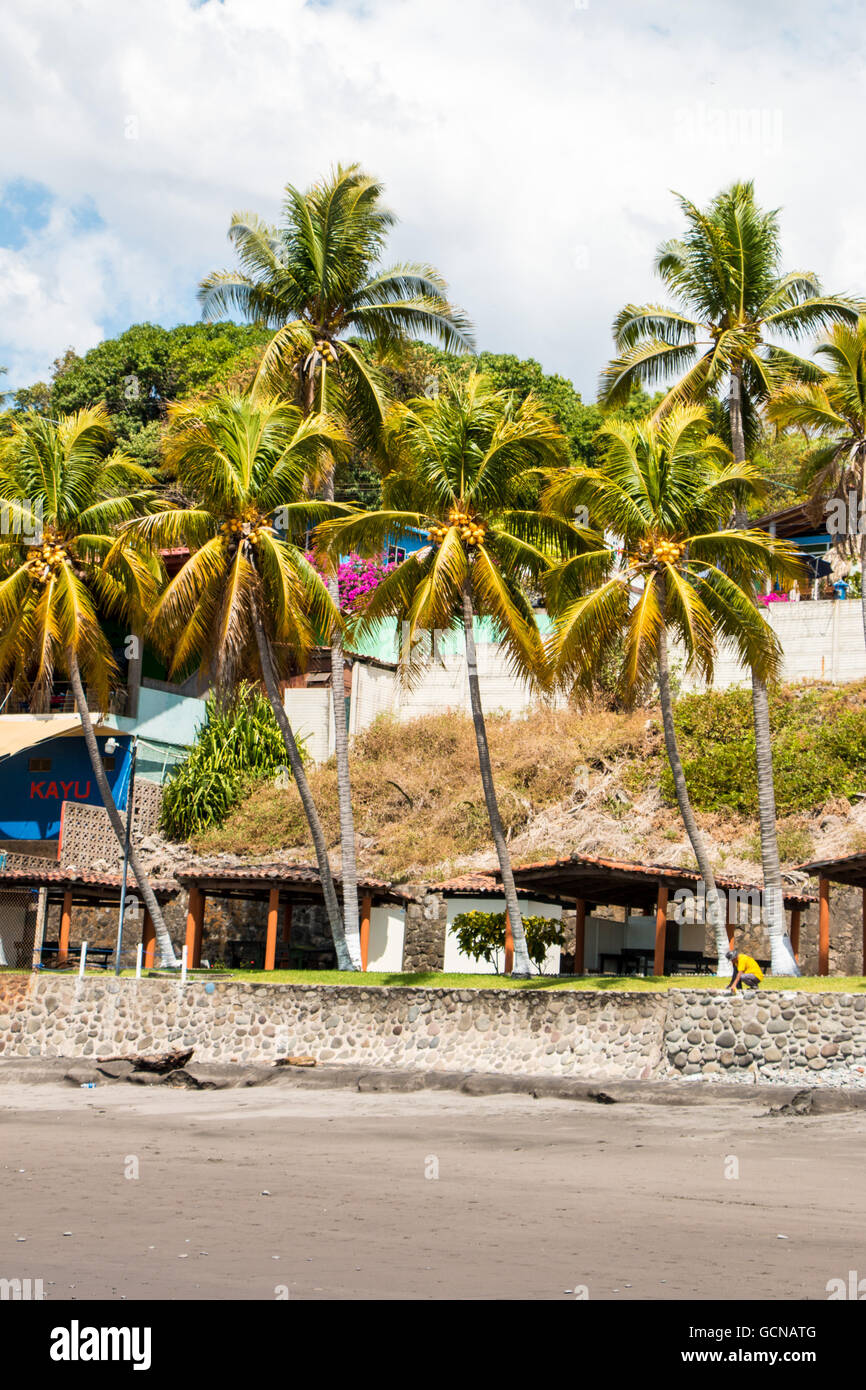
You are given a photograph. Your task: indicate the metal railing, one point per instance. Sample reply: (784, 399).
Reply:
(59, 700)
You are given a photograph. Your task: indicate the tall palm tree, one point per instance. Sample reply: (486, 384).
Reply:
(665, 489)
(461, 459)
(248, 600)
(733, 303)
(833, 411)
(318, 281)
(52, 595)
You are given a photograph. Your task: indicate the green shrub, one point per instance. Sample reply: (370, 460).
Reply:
(819, 749)
(238, 745)
(482, 935)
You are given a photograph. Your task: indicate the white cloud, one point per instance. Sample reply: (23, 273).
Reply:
(528, 147)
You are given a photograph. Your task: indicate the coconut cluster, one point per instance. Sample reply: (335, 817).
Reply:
(324, 348)
(47, 560)
(251, 531)
(667, 552)
(471, 531)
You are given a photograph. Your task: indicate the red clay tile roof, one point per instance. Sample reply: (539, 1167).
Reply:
(53, 874)
(655, 871)
(268, 873)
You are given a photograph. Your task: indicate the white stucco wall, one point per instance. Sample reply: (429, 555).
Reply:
(821, 641)
(387, 929)
(457, 962)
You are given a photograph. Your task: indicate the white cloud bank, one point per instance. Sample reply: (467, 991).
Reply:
(528, 146)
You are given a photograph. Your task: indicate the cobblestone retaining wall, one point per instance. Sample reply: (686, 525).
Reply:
(603, 1034)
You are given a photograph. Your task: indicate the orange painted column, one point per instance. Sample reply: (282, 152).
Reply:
(661, 929)
(824, 926)
(579, 936)
(271, 938)
(509, 945)
(148, 940)
(366, 909)
(795, 932)
(65, 922)
(194, 924)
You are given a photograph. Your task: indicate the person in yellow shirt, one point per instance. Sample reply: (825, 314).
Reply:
(747, 972)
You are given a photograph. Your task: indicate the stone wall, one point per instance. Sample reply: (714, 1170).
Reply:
(426, 929)
(588, 1033)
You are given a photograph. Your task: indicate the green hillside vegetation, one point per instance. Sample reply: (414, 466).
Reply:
(568, 779)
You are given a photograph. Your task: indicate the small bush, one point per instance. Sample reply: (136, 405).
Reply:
(819, 749)
(482, 935)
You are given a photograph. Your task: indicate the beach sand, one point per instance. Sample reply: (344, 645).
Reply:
(533, 1198)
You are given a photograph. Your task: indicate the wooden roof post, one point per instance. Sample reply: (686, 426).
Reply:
(795, 932)
(509, 945)
(661, 929)
(148, 939)
(579, 936)
(65, 922)
(194, 925)
(271, 938)
(366, 909)
(823, 926)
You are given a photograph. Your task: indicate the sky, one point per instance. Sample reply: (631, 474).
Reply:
(528, 147)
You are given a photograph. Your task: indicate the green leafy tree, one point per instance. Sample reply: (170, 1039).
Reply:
(317, 279)
(461, 458)
(482, 935)
(726, 336)
(666, 489)
(54, 596)
(248, 601)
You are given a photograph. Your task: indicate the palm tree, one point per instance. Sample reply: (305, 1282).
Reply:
(833, 410)
(665, 489)
(52, 594)
(246, 599)
(733, 300)
(316, 279)
(461, 459)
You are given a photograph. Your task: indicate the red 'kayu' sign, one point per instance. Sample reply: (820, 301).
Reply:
(69, 791)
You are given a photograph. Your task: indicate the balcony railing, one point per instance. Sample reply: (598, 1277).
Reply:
(60, 700)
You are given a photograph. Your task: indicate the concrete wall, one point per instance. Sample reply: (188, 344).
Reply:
(821, 641)
(593, 1034)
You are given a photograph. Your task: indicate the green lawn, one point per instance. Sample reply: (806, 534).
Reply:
(811, 983)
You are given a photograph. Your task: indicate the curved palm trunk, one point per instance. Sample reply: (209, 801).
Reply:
(782, 959)
(716, 914)
(348, 856)
(522, 965)
(345, 960)
(167, 956)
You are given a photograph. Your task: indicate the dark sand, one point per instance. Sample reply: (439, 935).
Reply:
(533, 1197)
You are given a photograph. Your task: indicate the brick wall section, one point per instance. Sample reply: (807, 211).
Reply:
(588, 1033)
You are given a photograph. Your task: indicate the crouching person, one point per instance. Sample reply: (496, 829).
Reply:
(747, 972)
